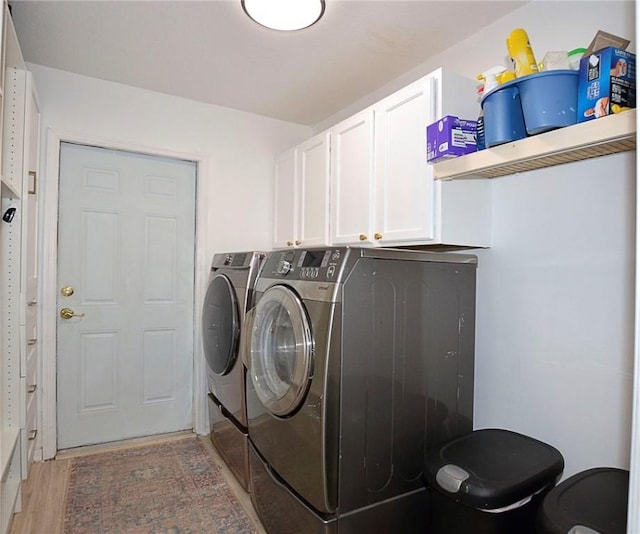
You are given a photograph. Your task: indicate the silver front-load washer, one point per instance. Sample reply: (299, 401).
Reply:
(230, 293)
(360, 362)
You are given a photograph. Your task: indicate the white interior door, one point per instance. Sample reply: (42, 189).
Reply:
(126, 235)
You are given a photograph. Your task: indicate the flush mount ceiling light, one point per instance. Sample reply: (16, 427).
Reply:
(284, 15)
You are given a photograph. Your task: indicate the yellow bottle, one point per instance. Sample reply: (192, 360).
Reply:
(521, 53)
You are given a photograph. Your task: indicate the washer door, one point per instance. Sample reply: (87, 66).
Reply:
(220, 325)
(281, 351)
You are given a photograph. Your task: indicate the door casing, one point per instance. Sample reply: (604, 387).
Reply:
(48, 275)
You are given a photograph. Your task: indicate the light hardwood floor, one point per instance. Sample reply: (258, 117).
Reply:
(44, 492)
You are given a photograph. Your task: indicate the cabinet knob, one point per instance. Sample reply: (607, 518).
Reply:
(363, 237)
(298, 243)
(31, 342)
(32, 388)
(289, 243)
(377, 236)
(33, 434)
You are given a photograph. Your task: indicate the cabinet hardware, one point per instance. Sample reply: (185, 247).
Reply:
(68, 313)
(32, 341)
(32, 303)
(33, 176)
(32, 388)
(33, 435)
(298, 243)
(289, 243)
(377, 236)
(363, 237)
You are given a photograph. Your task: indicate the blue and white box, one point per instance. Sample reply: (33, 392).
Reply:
(607, 83)
(450, 137)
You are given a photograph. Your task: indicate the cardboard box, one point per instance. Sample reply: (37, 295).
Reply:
(450, 137)
(607, 83)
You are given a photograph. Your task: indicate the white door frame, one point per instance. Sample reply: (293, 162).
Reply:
(49, 274)
(633, 523)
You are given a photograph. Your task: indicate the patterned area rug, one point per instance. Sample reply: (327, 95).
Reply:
(172, 487)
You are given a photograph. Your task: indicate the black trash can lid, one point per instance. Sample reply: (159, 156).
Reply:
(493, 468)
(594, 499)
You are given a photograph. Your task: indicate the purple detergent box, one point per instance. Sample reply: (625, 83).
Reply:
(450, 137)
(606, 83)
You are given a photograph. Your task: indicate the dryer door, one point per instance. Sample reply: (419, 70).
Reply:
(220, 325)
(281, 350)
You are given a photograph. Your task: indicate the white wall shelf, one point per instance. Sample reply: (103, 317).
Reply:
(10, 498)
(599, 137)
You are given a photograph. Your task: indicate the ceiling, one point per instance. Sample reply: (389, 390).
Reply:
(210, 51)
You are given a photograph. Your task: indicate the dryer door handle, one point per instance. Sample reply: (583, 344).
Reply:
(245, 337)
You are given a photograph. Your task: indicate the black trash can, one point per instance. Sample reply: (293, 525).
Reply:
(490, 481)
(595, 500)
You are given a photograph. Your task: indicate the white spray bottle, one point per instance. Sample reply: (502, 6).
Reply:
(491, 78)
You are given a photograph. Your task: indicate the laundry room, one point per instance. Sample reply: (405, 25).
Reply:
(554, 248)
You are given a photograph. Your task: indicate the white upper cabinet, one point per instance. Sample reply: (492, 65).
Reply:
(312, 177)
(301, 217)
(382, 190)
(352, 180)
(285, 210)
(403, 188)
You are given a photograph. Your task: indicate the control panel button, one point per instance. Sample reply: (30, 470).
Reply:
(331, 271)
(283, 267)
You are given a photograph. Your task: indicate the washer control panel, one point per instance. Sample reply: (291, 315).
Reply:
(322, 265)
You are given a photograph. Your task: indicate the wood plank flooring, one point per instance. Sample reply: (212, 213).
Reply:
(44, 492)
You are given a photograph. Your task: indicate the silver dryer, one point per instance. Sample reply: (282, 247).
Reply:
(230, 294)
(360, 362)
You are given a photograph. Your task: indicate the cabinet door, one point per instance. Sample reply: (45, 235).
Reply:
(352, 179)
(285, 201)
(312, 181)
(30, 272)
(404, 186)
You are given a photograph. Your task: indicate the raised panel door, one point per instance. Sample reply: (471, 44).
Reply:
(285, 211)
(313, 186)
(352, 180)
(404, 186)
(126, 247)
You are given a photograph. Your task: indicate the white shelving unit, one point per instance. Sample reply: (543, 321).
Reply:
(598, 137)
(10, 498)
(16, 242)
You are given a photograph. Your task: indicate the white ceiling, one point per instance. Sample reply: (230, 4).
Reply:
(212, 52)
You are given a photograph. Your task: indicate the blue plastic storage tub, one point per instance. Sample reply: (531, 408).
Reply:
(549, 100)
(503, 118)
(530, 105)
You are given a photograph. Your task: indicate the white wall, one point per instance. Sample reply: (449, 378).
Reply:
(550, 24)
(235, 183)
(554, 349)
(239, 146)
(555, 292)
(555, 325)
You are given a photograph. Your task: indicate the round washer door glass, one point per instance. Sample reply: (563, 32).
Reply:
(281, 351)
(220, 325)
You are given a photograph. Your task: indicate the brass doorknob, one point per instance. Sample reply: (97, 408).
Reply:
(66, 291)
(68, 313)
